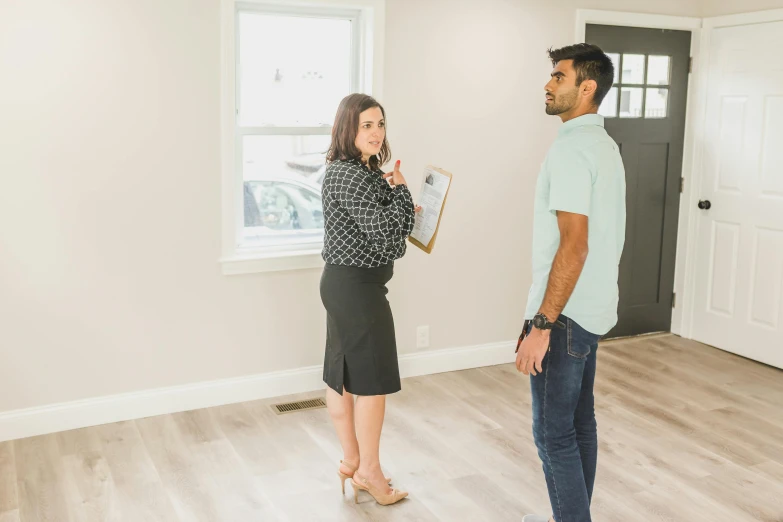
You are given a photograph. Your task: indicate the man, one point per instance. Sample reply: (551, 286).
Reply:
(578, 236)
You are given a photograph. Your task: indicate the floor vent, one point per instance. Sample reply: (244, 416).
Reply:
(291, 407)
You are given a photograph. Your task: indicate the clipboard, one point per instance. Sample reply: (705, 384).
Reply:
(428, 248)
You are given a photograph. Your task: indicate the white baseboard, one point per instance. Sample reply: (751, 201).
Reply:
(455, 359)
(93, 412)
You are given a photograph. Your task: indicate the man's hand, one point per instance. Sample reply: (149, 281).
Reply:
(532, 351)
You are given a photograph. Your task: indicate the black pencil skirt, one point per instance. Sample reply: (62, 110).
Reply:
(361, 350)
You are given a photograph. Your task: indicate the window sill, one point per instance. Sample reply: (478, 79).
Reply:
(259, 261)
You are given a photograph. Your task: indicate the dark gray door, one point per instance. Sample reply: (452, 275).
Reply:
(645, 114)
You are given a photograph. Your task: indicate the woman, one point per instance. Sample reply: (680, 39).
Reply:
(367, 217)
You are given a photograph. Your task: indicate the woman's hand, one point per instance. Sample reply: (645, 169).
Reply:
(395, 177)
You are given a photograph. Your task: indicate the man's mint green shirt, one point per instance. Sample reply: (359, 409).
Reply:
(583, 173)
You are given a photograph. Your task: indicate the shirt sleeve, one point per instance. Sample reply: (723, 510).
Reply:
(383, 224)
(571, 177)
(387, 192)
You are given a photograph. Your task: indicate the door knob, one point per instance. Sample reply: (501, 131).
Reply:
(705, 204)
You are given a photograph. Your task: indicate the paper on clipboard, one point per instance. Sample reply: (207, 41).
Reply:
(432, 199)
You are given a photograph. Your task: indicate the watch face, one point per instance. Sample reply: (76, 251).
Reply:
(539, 321)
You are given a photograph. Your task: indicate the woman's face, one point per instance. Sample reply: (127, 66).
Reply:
(372, 132)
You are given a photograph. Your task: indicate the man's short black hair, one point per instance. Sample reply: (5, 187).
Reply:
(590, 63)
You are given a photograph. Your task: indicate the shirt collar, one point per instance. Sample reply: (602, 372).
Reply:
(364, 167)
(582, 121)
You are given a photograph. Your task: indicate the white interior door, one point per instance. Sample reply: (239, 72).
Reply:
(738, 299)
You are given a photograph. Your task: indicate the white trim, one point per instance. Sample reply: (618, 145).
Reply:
(272, 262)
(687, 267)
(625, 19)
(456, 359)
(369, 33)
(688, 226)
(693, 128)
(230, 203)
(289, 131)
(758, 17)
(694, 118)
(92, 412)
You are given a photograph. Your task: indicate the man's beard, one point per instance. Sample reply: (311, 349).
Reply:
(562, 103)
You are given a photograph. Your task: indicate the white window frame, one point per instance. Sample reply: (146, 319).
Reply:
(368, 24)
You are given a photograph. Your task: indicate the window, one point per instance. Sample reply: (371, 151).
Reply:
(641, 87)
(291, 66)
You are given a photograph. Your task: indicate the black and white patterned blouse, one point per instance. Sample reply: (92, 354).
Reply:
(366, 221)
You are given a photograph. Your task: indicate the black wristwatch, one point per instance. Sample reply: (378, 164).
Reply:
(541, 322)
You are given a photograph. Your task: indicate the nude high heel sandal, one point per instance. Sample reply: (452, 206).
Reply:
(381, 498)
(344, 477)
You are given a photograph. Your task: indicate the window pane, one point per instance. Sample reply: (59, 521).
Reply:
(616, 62)
(292, 70)
(300, 157)
(608, 107)
(283, 206)
(657, 103)
(658, 70)
(633, 68)
(631, 102)
(282, 189)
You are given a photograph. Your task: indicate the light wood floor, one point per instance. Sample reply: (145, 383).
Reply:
(687, 433)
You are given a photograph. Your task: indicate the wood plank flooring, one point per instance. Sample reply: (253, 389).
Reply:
(687, 433)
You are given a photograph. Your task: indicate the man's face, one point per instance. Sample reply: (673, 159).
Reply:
(562, 93)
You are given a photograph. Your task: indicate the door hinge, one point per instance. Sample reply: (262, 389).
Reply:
(690, 64)
(682, 185)
(674, 299)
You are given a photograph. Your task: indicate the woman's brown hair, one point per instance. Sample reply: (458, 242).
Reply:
(346, 127)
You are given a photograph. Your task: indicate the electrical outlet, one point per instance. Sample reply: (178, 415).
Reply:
(423, 337)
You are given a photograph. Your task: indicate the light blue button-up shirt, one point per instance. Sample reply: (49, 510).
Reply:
(583, 173)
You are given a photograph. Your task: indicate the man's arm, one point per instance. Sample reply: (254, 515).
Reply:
(566, 268)
(567, 265)
(570, 196)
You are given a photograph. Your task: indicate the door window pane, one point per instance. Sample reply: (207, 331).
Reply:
(633, 68)
(658, 70)
(608, 107)
(631, 102)
(616, 62)
(657, 103)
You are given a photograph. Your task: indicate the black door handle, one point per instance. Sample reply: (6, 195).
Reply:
(705, 204)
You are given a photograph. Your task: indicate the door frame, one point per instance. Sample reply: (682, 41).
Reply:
(694, 118)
